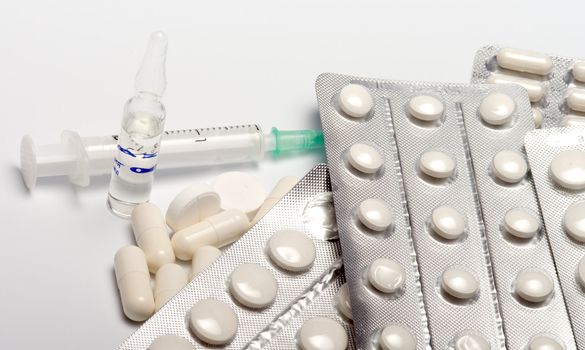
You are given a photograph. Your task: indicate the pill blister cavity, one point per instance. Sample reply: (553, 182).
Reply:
(321, 333)
(497, 109)
(447, 223)
(574, 221)
(459, 283)
(319, 216)
(436, 165)
(343, 302)
(544, 342)
(364, 158)
(538, 117)
(576, 100)
(253, 286)
(213, 322)
(397, 337)
(471, 341)
(386, 276)
(509, 167)
(170, 342)
(581, 272)
(355, 101)
(579, 71)
(567, 169)
(524, 61)
(533, 286)
(425, 108)
(521, 223)
(375, 214)
(291, 250)
(534, 88)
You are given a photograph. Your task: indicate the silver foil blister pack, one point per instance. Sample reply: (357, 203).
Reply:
(455, 316)
(557, 162)
(555, 84)
(307, 208)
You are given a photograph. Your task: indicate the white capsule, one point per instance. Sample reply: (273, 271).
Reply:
(437, 164)
(283, 186)
(213, 321)
(253, 286)
(364, 158)
(534, 88)
(538, 117)
(524, 61)
(355, 100)
(574, 120)
(574, 221)
(543, 342)
(576, 100)
(459, 283)
(321, 333)
(134, 283)
(192, 205)
(291, 250)
(241, 191)
(426, 108)
(170, 342)
(447, 222)
(396, 337)
(218, 230)
(581, 272)
(202, 258)
(151, 236)
(579, 71)
(533, 286)
(497, 109)
(471, 341)
(509, 166)
(521, 223)
(169, 280)
(343, 302)
(567, 169)
(386, 275)
(375, 214)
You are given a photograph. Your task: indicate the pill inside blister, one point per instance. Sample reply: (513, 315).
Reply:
(386, 275)
(170, 342)
(471, 342)
(567, 169)
(291, 250)
(447, 222)
(375, 214)
(581, 272)
(426, 108)
(579, 71)
(572, 119)
(320, 333)
(459, 283)
(213, 321)
(253, 286)
(343, 303)
(524, 61)
(576, 100)
(497, 109)
(364, 158)
(437, 164)
(355, 100)
(574, 221)
(538, 117)
(533, 286)
(509, 166)
(521, 223)
(534, 88)
(396, 337)
(544, 342)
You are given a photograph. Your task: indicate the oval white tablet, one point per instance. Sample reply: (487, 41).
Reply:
(544, 342)
(170, 342)
(497, 109)
(355, 100)
(426, 108)
(524, 61)
(192, 205)
(459, 283)
(291, 250)
(567, 169)
(343, 303)
(238, 190)
(581, 272)
(534, 88)
(321, 333)
(253, 286)
(521, 223)
(448, 222)
(533, 286)
(386, 275)
(213, 321)
(396, 337)
(471, 342)
(375, 214)
(576, 100)
(509, 166)
(574, 221)
(365, 158)
(538, 117)
(437, 164)
(579, 71)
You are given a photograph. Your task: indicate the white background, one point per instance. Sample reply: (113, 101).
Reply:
(71, 65)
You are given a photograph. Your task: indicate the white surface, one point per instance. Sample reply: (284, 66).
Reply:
(386, 275)
(459, 283)
(509, 166)
(375, 214)
(425, 108)
(291, 250)
(437, 164)
(521, 223)
(471, 342)
(497, 109)
(364, 158)
(447, 222)
(253, 285)
(355, 100)
(71, 65)
(533, 286)
(567, 169)
(192, 205)
(213, 321)
(396, 337)
(342, 301)
(574, 221)
(320, 333)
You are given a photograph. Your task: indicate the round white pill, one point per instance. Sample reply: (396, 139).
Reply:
(386, 275)
(574, 221)
(321, 333)
(471, 342)
(425, 108)
(567, 169)
(497, 109)
(192, 205)
(375, 214)
(395, 337)
(509, 166)
(213, 321)
(533, 286)
(365, 158)
(538, 117)
(238, 190)
(253, 286)
(355, 100)
(170, 342)
(521, 223)
(447, 222)
(291, 250)
(343, 304)
(437, 164)
(581, 272)
(459, 283)
(544, 342)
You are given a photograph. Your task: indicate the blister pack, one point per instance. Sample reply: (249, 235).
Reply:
(557, 163)
(263, 283)
(401, 175)
(555, 84)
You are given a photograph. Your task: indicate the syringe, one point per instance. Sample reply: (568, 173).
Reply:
(79, 158)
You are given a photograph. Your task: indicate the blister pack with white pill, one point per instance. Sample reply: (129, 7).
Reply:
(406, 203)
(557, 163)
(555, 84)
(263, 282)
